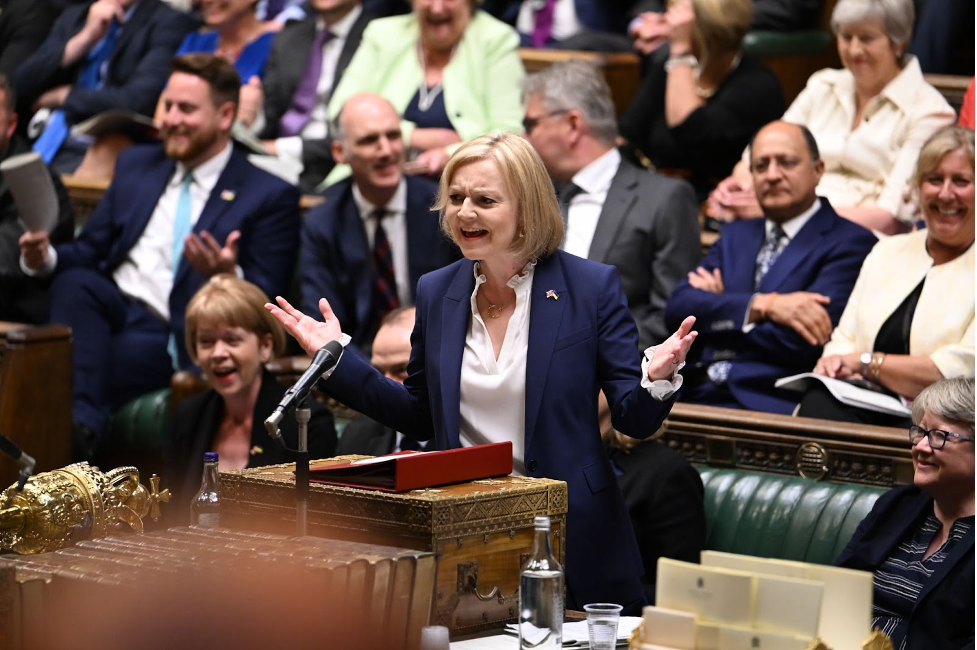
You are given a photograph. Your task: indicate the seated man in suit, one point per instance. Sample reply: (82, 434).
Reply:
(598, 25)
(174, 215)
(22, 298)
(770, 290)
(365, 248)
(307, 61)
(615, 212)
(111, 54)
(390, 353)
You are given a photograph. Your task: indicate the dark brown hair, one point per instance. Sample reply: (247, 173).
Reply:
(220, 75)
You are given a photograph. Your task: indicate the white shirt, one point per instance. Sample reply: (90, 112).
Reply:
(584, 210)
(565, 21)
(317, 127)
(395, 226)
(493, 391)
(147, 273)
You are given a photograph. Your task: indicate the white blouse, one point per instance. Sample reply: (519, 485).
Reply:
(493, 391)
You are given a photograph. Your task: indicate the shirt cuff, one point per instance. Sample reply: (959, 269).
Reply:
(344, 340)
(289, 148)
(660, 389)
(47, 269)
(748, 326)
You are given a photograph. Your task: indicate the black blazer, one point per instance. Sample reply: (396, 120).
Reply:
(137, 68)
(24, 24)
(664, 495)
(366, 436)
(195, 424)
(944, 614)
(283, 72)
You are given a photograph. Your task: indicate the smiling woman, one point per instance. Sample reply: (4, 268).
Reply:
(919, 539)
(230, 336)
(910, 319)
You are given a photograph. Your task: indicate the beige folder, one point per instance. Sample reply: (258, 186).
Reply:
(846, 608)
(669, 627)
(758, 565)
(716, 595)
(787, 605)
(711, 636)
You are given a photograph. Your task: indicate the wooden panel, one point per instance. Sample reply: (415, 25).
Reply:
(622, 69)
(35, 395)
(952, 87)
(817, 449)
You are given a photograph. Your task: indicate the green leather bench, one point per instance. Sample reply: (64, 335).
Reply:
(783, 517)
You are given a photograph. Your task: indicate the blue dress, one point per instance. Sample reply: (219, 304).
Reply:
(251, 61)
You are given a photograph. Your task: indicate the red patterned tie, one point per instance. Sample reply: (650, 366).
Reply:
(384, 282)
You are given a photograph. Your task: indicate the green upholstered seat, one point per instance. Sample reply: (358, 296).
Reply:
(785, 517)
(806, 42)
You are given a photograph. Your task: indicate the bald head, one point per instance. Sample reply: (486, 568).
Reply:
(786, 170)
(391, 345)
(366, 136)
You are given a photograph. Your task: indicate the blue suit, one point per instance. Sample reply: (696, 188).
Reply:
(120, 346)
(135, 73)
(824, 257)
(336, 260)
(583, 341)
(943, 615)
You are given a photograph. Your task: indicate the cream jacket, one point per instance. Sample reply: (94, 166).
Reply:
(943, 324)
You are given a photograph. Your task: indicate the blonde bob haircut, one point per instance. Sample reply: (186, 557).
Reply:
(720, 26)
(228, 300)
(946, 140)
(948, 399)
(540, 222)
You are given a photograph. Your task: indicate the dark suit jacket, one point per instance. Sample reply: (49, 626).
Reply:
(137, 69)
(24, 24)
(368, 437)
(196, 421)
(595, 15)
(22, 298)
(335, 255)
(824, 257)
(664, 496)
(579, 343)
(778, 15)
(944, 613)
(263, 207)
(649, 230)
(283, 72)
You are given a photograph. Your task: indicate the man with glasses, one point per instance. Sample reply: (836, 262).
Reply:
(918, 539)
(770, 290)
(615, 212)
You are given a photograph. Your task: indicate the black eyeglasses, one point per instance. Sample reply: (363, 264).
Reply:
(530, 123)
(937, 437)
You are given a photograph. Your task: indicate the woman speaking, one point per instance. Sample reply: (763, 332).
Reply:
(514, 343)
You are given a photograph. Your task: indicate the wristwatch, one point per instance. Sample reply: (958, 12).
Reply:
(866, 360)
(683, 59)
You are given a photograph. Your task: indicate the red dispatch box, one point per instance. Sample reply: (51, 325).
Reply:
(415, 470)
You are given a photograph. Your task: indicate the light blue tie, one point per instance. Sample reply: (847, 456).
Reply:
(181, 228)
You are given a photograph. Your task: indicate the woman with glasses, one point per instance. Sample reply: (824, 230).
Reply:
(910, 319)
(918, 540)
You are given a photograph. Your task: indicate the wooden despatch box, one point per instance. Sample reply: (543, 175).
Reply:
(481, 532)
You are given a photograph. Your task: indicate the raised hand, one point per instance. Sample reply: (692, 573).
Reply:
(310, 333)
(673, 351)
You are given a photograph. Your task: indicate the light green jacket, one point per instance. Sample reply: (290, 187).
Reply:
(482, 82)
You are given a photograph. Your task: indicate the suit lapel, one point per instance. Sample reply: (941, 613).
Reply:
(297, 55)
(949, 563)
(807, 240)
(544, 324)
(739, 253)
(141, 15)
(352, 238)
(349, 48)
(455, 317)
(620, 200)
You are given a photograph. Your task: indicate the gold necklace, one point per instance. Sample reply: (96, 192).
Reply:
(493, 311)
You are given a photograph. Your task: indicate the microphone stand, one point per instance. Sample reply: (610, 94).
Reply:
(302, 416)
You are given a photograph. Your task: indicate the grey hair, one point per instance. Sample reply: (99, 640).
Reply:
(896, 16)
(576, 85)
(948, 399)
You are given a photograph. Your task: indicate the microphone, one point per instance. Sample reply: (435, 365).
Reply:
(324, 360)
(26, 462)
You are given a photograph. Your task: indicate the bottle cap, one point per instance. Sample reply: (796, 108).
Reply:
(541, 521)
(210, 456)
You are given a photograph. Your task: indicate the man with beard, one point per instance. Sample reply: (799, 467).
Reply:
(770, 291)
(174, 216)
(365, 248)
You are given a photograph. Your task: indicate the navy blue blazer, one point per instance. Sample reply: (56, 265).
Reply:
(824, 257)
(336, 261)
(582, 341)
(263, 207)
(595, 15)
(137, 68)
(943, 616)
